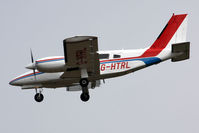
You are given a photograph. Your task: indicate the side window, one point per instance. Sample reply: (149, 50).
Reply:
(103, 56)
(116, 56)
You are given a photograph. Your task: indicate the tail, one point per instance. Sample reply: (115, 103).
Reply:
(174, 32)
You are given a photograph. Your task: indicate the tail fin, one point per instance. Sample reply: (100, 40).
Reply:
(173, 32)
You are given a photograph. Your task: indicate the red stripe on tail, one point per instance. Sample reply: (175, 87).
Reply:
(162, 40)
(165, 36)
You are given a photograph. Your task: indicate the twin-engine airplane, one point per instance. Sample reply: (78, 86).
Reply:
(83, 66)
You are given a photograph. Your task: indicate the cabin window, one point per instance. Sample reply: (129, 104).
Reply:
(116, 56)
(103, 56)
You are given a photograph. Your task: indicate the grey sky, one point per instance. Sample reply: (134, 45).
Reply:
(162, 98)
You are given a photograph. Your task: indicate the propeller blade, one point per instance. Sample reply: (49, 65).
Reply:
(32, 59)
(34, 74)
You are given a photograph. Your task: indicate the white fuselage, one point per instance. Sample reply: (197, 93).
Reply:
(118, 62)
(114, 63)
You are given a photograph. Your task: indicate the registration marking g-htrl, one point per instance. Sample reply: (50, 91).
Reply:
(114, 66)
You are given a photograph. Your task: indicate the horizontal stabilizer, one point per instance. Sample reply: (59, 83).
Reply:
(180, 51)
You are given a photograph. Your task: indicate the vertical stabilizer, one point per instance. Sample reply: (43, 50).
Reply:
(173, 32)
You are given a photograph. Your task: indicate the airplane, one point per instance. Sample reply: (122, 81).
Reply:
(83, 66)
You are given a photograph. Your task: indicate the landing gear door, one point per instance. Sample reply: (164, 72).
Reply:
(81, 53)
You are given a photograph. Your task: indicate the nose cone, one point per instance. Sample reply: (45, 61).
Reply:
(22, 79)
(15, 82)
(12, 82)
(31, 66)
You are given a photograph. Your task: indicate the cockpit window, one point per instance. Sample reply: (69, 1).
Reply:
(103, 56)
(116, 56)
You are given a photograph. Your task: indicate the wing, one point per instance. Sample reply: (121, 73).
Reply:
(81, 57)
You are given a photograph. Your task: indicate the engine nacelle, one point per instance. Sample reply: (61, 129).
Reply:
(49, 64)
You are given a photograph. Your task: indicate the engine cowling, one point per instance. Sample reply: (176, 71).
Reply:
(49, 64)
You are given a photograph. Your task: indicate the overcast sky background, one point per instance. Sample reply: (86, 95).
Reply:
(160, 99)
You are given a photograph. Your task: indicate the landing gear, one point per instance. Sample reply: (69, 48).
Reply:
(84, 97)
(39, 96)
(85, 93)
(84, 82)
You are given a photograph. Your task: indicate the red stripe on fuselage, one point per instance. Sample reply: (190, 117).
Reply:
(50, 59)
(24, 76)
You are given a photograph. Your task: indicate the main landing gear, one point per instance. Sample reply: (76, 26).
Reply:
(39, 96)
(85, 93)
(84, 82)
(84, 96)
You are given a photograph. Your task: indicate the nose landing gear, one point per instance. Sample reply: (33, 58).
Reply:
(39, 96)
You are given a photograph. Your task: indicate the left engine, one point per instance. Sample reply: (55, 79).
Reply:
(49, 64)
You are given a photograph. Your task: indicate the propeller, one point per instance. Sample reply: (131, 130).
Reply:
(32, 59)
